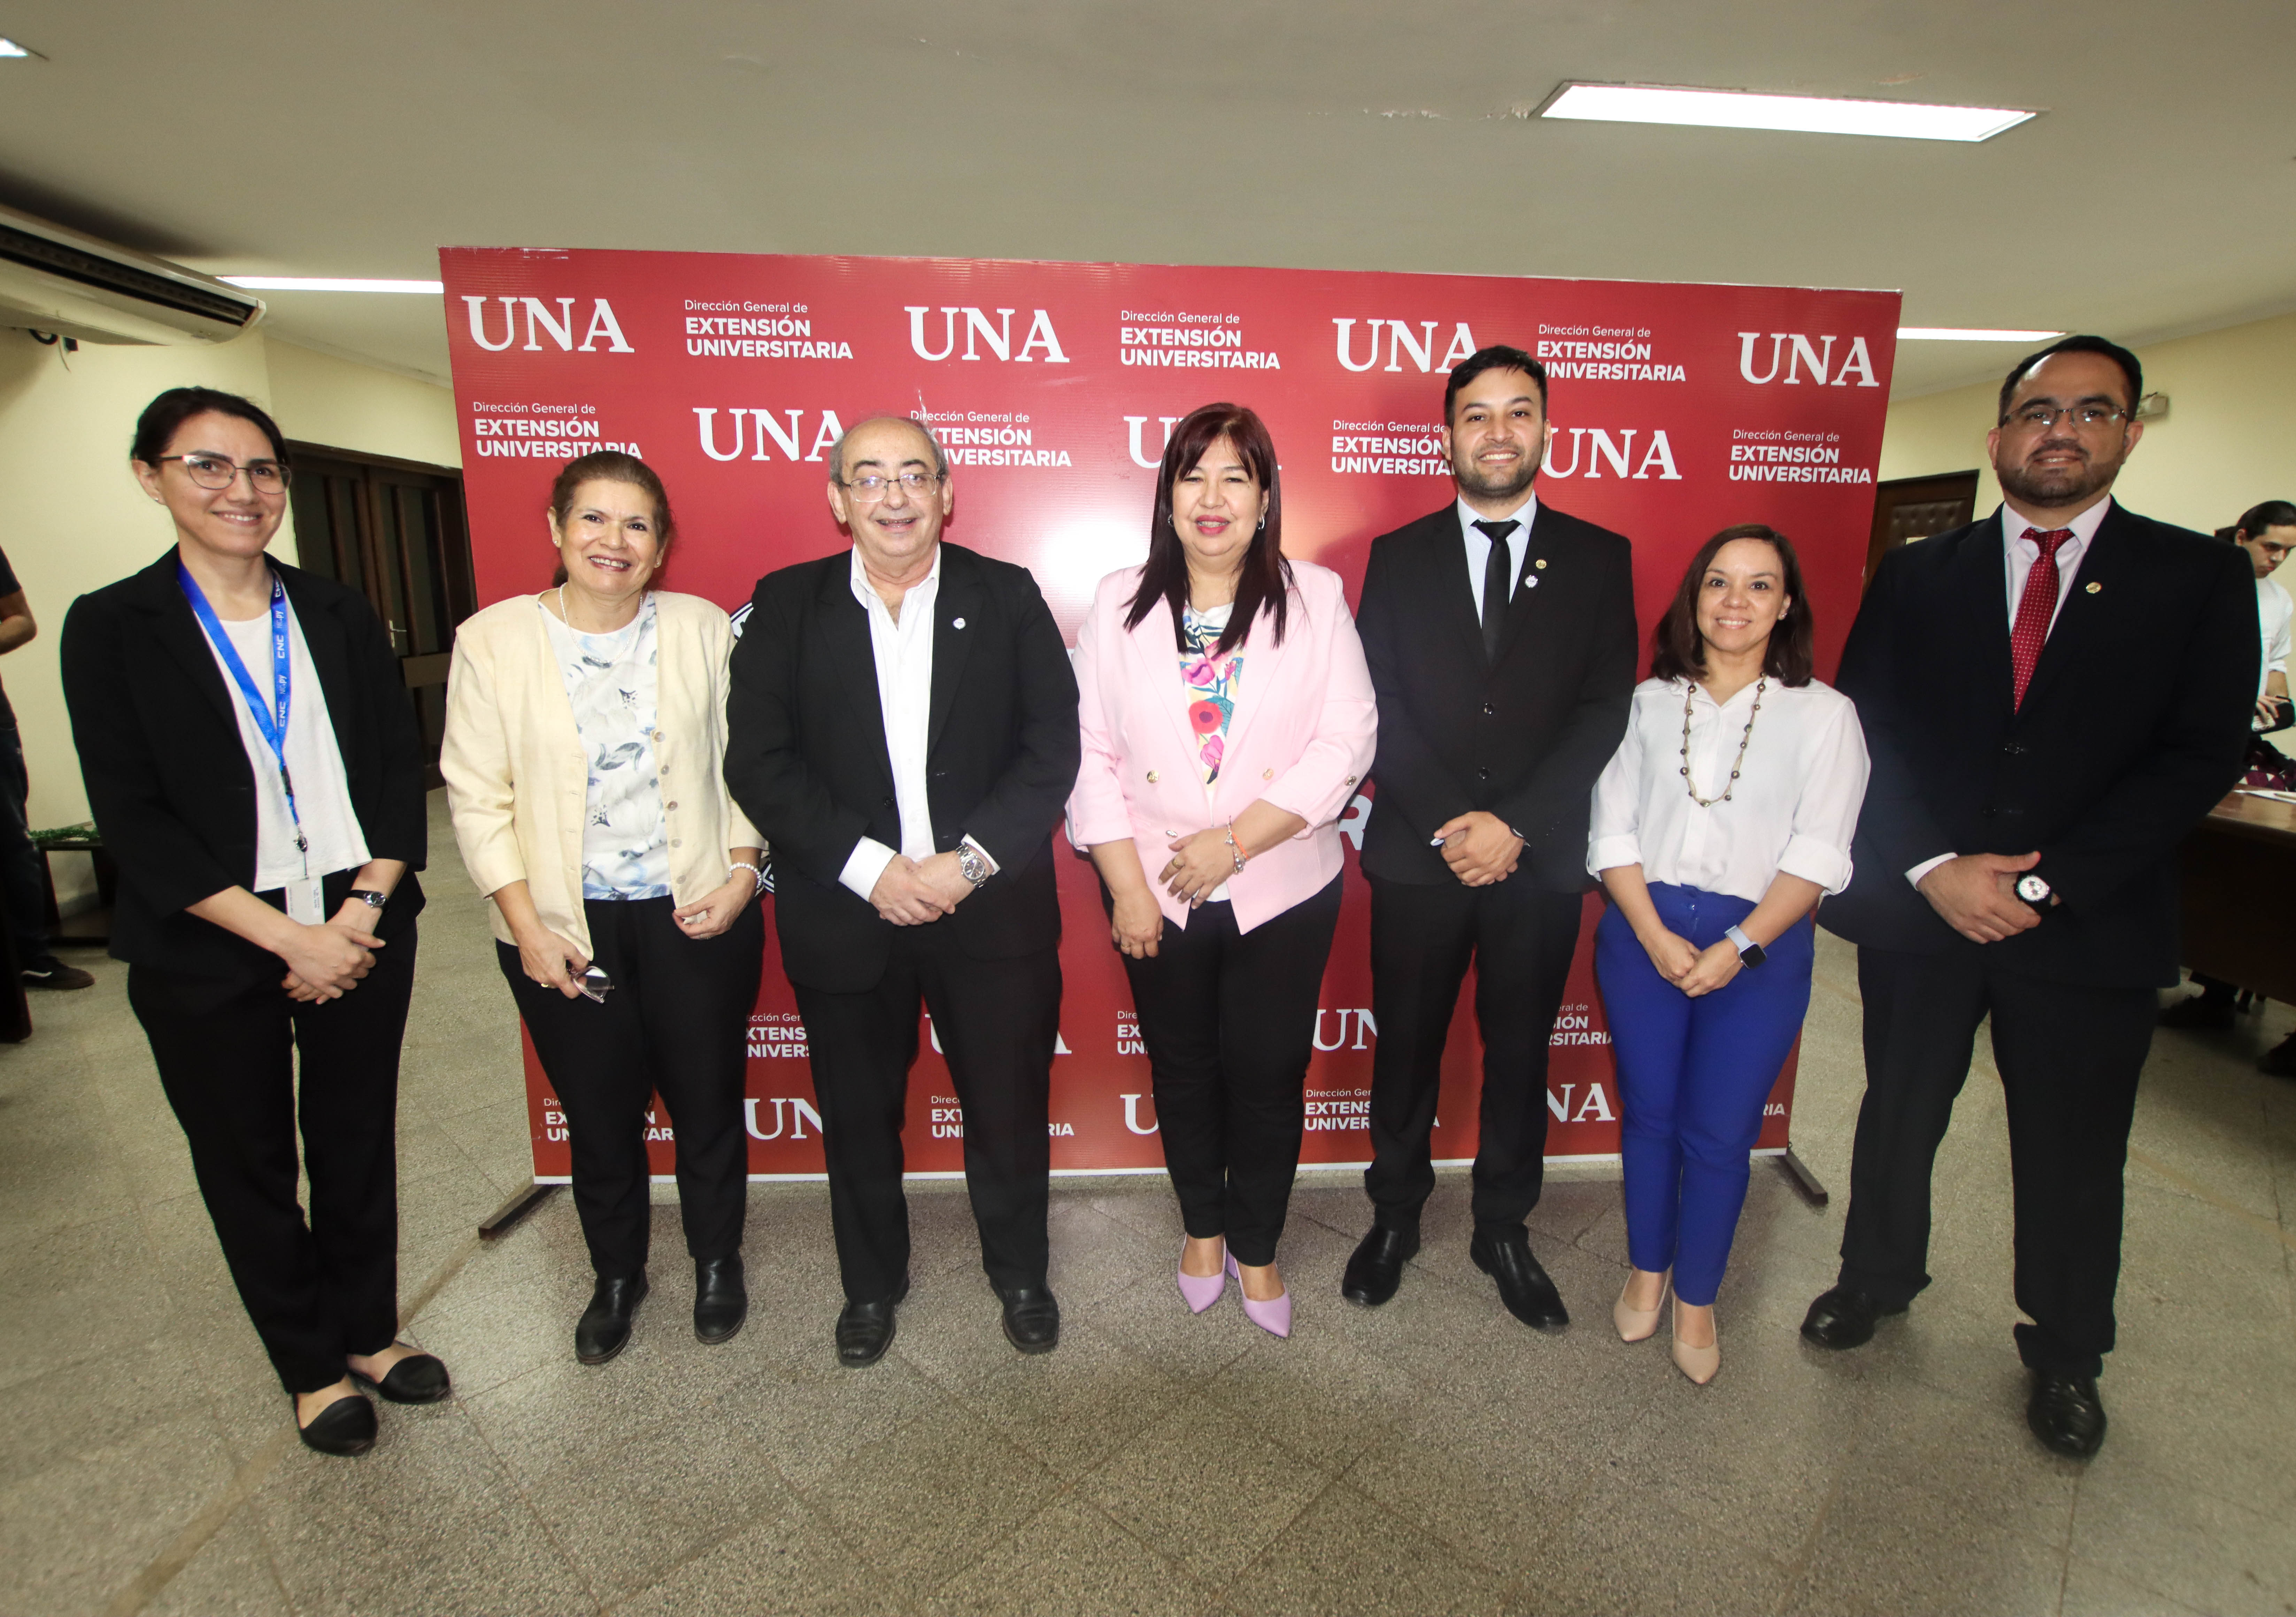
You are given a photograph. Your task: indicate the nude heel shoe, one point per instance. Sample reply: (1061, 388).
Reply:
(1638, 1324)
(1699, 1363)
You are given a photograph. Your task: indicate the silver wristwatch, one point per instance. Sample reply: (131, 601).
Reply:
(975, 869)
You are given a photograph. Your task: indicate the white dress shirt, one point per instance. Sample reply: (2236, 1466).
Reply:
(1479, 546)
(2018, 554)
(2274, 608)
(1793, 810)
(902, 651)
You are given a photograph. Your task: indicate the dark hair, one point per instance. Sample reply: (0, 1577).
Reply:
(1266, 576)
(165, 415)
(2256, 519)
(2129, 368)
(1496, 357)
(612, 467)
(1678, 652)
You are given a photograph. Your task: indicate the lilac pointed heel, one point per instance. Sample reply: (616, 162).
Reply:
(1273, 1316)
(1200, 1291)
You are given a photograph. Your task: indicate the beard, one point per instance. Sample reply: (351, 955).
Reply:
(2058, 486)
(1483, 486)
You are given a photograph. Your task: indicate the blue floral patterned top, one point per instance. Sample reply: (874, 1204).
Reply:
(610, 682)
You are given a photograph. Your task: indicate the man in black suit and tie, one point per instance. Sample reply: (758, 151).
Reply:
(903, 728)
(2037, 756)
(1501, 638)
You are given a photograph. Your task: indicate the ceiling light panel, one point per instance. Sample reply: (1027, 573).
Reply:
(1969, 333)
(322, 284)
(1620, 103)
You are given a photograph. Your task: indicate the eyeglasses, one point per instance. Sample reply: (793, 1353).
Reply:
(2040, 418)
(874, 486)
(214, 471)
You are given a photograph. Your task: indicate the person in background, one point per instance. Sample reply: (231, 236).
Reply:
(2266, 532)
(627, 935)
(254, 766)
(23, 880)
(1726, 814)
(2016, 858)
(1228, 782)
(904, 724)
(1500, 633)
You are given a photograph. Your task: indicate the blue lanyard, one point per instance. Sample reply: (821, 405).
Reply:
(283, 685)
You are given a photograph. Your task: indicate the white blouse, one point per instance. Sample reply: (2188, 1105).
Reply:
(610, 682)
(1793, 810)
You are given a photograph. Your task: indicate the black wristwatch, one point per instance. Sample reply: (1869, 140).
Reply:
(1750, 953)
(369, 896)
(2034, 890)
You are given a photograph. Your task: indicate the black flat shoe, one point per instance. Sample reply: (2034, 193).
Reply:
(604, 1328)
(1375, 1269)
(1032, 1318)
(419, 1378)
(1523, 1285)
(1843, 1317)
(345, 1428)
(720, 1300)
(2198, 1012)
(864, 1330)
(2066, 1414)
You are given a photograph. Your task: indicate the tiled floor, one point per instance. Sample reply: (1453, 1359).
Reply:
(1428, 1456)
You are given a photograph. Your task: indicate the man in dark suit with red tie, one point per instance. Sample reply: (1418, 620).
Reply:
(1500, 633)
(2037, 759)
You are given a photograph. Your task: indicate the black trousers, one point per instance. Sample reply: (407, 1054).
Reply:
(2069, 1055)
(675, 1021)
(228, 1059)
(1229, 1020)
(1519, 938)
(23, 884)
(997, 1021)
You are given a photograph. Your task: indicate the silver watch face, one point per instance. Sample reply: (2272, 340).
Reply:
(2032, 890)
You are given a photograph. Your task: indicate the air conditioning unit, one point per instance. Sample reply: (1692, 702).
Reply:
(58, 281)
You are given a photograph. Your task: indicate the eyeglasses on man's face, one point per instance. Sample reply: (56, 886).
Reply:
(876, 486)
(2089, 418)
(214, 471)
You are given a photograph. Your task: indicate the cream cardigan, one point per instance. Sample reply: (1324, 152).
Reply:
(516, 777)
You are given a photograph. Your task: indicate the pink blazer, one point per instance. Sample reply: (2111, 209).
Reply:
(1302, 736)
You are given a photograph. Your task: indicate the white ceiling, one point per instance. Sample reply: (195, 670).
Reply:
(2157, 194)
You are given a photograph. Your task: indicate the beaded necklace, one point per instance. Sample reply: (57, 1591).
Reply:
(1691, 786)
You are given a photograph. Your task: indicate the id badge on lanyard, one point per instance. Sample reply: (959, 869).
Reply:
(306, 901)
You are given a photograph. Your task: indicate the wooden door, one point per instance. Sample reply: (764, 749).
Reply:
(395, 531)
(1915, 507)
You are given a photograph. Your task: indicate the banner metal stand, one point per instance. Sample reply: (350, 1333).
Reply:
(1812, 1188)
(507, 1217)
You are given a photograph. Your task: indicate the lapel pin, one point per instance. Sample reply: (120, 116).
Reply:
(2096, 588)
(1540, 563)
(1531, 583)
(956, 623)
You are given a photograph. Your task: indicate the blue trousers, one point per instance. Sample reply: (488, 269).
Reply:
(1692, 1076)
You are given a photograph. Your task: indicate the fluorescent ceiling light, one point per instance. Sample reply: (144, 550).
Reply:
(1959, 334)
(1620, 103)
(323, 284)
(9, 47)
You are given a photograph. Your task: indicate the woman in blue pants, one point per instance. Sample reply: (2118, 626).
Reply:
(1725, 816)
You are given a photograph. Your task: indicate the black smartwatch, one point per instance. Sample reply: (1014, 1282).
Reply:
(1750, 953)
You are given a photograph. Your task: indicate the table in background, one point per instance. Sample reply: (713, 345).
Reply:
(2238, 879)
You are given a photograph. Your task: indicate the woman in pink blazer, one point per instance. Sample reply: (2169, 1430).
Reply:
(1228, 718)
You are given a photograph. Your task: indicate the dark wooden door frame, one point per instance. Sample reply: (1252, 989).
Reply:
(1950, 497)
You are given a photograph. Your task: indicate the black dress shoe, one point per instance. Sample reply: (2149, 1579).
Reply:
(419, 1378)
(604, 1328)
(720, 1300)
(2066, 1414)
(1375, 1268)
(2280, 1061)
(1032, 1318)
(1523, 1286)
(864, 1330)
(2198, 1012)
(345, 1428)
(1843, 1317)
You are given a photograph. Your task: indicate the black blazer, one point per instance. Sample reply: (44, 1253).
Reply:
(1524, 736)
(171, 781)
(2135, 725)
(806, 757)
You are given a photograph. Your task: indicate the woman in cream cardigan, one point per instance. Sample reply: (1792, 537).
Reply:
(586, 737)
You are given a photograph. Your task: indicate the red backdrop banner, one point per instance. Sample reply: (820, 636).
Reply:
(1676, 410)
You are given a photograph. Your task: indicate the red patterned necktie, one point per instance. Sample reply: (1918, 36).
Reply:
(2034, 608)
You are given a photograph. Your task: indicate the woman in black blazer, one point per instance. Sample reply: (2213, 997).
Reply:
(253, 765)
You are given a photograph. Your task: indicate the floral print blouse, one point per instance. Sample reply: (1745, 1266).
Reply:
(610, 682)
(1211, 681)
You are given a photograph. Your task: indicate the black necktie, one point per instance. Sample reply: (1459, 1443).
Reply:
(1499, 578)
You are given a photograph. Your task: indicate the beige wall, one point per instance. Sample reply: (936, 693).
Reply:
(2228, 440)
(78, 520)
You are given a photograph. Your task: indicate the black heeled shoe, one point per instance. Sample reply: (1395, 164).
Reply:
(345, 1428)
(419, 1378)
(604, 1328)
